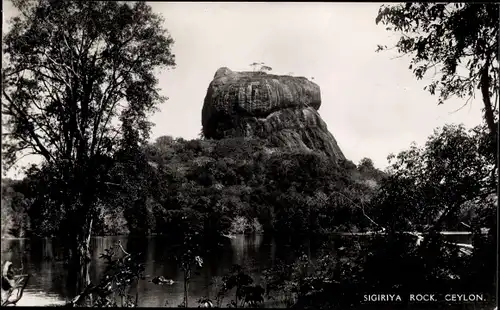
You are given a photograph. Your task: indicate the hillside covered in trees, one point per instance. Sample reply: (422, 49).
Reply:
(238, 185)
(226, 182)
(208, 188)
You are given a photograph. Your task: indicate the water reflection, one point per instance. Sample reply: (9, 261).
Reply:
(41, 258)
(47, 275)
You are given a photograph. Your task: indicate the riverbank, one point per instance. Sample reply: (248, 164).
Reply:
(48, 285)
(247, 232)
(255, 252)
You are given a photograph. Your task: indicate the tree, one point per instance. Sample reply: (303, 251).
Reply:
(458, 41)
(366, 163)
(135, 176)
(261, 67)
(255, 64)
(427, 190)
(77, 85)
(265, 69)
(428, 186)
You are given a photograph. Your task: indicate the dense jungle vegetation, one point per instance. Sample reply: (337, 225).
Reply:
(235, 185)
(79, 85)
(208, 188)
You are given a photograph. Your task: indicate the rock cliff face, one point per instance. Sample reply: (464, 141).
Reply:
(281, 109)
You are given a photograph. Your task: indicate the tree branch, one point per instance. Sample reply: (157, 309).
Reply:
(43, 151)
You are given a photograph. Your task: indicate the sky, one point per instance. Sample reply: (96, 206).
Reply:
(371, 101)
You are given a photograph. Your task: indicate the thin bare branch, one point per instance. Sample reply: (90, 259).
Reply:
(464, 105)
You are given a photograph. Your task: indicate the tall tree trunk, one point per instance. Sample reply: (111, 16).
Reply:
(80, 255)
(81, 225)
(84, 256)
(489, 116)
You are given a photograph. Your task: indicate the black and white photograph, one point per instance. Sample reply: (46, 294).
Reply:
(305, 155)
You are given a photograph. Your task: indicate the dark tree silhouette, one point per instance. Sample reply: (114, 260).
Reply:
(458, 42)
(77, 85)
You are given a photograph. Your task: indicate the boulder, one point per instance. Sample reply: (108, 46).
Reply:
(281, 109)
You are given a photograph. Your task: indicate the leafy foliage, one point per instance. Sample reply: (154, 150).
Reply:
(200, 186)
(443, 185)
(261, 67)
(246, 293)
(429, 187)
(208, 186)
(14, 210)
(77, 86)
(458, 42)
(122, 271)
(349, 268)
(74, 68)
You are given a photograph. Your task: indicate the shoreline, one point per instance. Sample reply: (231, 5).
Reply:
(230, 236)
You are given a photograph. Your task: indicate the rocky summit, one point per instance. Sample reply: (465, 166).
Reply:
(279, 108)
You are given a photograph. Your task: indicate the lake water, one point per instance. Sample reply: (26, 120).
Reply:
(47, 286)
(48, 281)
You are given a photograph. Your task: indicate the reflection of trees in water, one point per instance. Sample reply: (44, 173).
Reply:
(47, 250)
(246, 249)
(256, 252)
(10, 250)
(287, 250)
(44, 262)
(152, 269)
(217, 260)
(159, 263)
(46, 256)
(139, 246)
(57, 250)
(38, 258)
(238, 246)
(98, 246)
(17, 251)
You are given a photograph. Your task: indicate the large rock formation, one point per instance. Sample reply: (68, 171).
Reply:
(281, 109)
